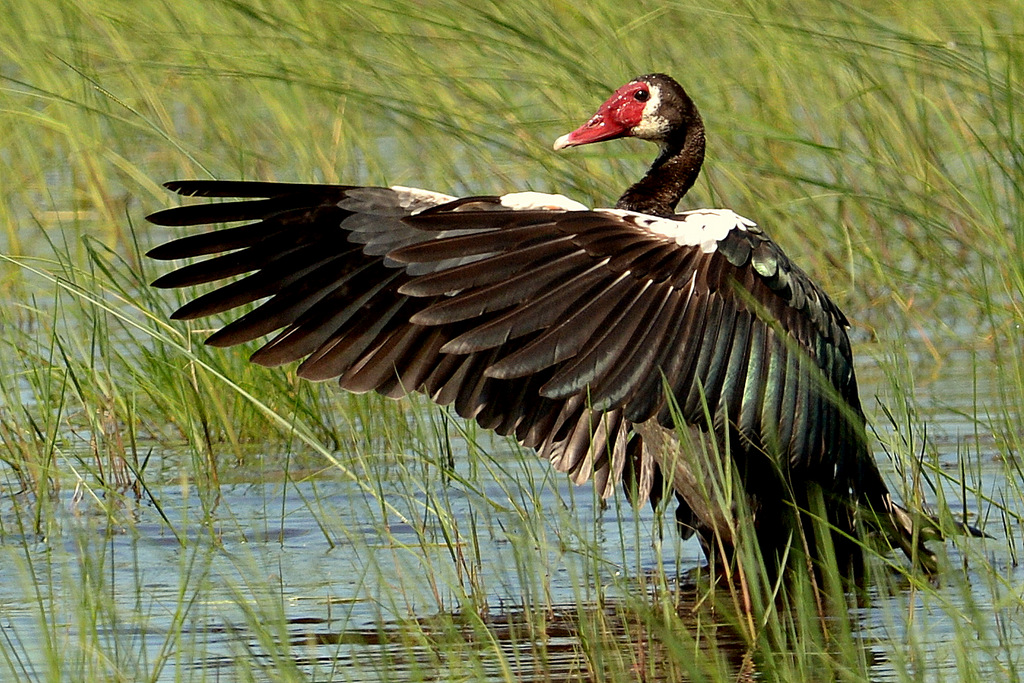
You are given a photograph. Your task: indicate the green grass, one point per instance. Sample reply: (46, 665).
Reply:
(880, 145)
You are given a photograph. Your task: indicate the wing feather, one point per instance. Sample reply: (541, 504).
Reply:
(637, 360)
(736, 365)
(475, 303)
(650, 392)
(214, 242)
(310, 311)
(560, 326)
(604, 350)
(571, 319)
(488, 271)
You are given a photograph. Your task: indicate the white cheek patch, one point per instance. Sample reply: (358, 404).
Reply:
(651, 127)
(651, 124)
(703, 228)
(539, 201)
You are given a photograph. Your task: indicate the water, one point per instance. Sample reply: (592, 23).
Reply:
(337, 581)
(313, 573)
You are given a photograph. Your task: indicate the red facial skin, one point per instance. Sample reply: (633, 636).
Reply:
(616, 118)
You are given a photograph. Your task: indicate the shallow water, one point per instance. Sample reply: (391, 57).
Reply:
(312, 572)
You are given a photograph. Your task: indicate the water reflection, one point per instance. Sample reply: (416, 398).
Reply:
(319, 582)
(526, 645)
(516, 574)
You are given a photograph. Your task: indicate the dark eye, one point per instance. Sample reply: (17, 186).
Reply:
(641, 96)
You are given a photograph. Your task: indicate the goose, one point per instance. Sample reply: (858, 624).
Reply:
(667, 353)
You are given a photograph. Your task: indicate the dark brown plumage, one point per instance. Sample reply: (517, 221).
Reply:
(562, 326)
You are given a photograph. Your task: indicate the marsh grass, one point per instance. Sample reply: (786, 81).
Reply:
(171, 512)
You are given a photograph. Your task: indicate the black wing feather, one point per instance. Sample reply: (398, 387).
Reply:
(570, 315)
(561, 327)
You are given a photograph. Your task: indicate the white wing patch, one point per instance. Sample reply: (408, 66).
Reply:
(377, 213)
(391, 201)
(534, 201)
(704, 227)
(415, 200)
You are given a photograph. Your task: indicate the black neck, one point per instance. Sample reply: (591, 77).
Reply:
(671, 175)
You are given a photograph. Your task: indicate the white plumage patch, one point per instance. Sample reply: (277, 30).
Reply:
(652, 126)
(415, 200)
(533, 201)
(391, 201)
(704, 227)
(377, 213)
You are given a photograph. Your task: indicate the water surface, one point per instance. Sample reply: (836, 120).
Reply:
(481, 572)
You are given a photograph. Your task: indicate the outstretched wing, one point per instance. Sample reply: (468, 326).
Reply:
(534, 316)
